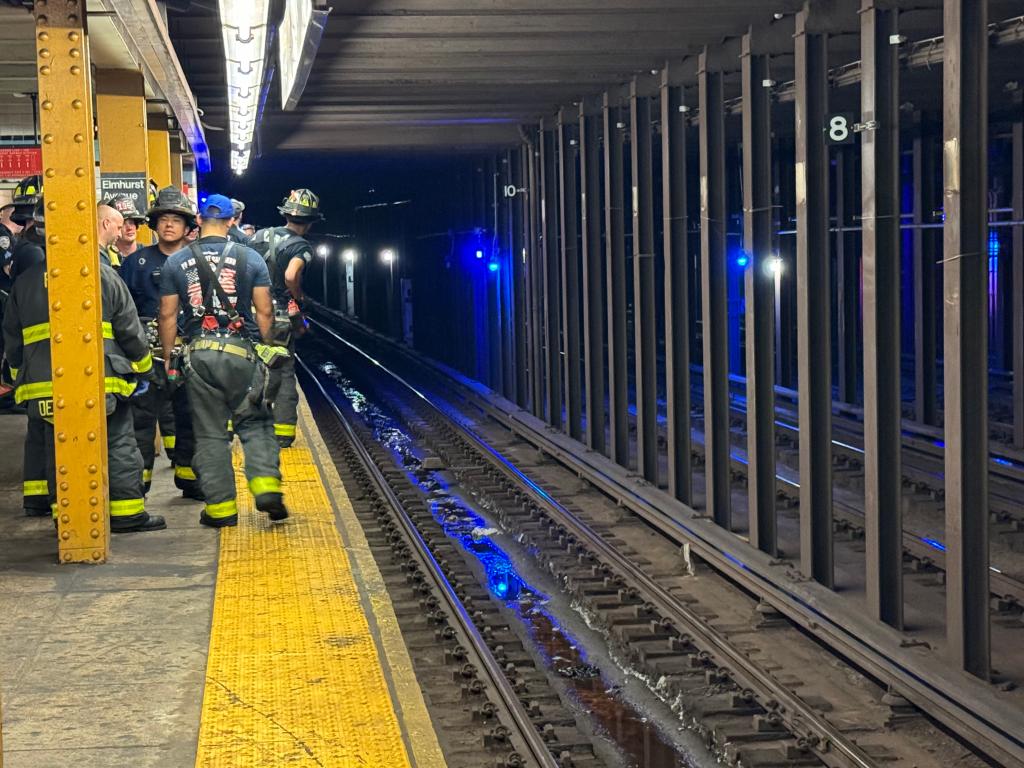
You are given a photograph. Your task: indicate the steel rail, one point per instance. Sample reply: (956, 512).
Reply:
(957, 700)
(531, 738)
(800, 718)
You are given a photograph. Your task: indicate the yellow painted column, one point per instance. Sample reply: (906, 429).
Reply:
(123, 134)
(176, 169)
(79, 415)
(159, 151)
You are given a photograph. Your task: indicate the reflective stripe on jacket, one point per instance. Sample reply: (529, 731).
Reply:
(26, 328)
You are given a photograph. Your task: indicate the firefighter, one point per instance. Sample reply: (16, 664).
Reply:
(27, 340)
(287, 252)
(170, 217)
(109, 223)
(127, 242)
(27, 252)
(224, 288)
(236, 233)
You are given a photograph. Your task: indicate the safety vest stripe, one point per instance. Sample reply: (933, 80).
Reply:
(168, 441)
(260, 485)
(184, 473)
(222, 509)
(144, 365)
(284, 430)
(35, 488)
(41, 332)
(112, 385)
(127, 507)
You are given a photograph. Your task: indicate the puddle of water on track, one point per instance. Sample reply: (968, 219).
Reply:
(640, 743)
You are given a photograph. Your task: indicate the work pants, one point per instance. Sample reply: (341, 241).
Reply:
(219, 385)
(36, 491)
(124, 462)
(185, 474)
(284, 398)
(168, 432)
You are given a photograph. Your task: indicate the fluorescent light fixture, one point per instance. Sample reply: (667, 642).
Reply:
(298, 40)
(323, 250)
(387, 255)
(349, 255)
(244, 28)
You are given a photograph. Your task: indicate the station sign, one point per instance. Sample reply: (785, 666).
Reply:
(133, 185)
(19, 162)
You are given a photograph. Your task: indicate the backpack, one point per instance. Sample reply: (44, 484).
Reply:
(268, 243)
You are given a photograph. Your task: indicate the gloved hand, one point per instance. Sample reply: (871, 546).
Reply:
(141, 388)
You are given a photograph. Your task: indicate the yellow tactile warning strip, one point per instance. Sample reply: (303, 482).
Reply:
(294, 675)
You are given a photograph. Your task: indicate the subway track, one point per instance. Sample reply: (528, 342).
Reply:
(709, 647)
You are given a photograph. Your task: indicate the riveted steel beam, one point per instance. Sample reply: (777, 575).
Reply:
(677, 288)
(79, 413)
(813, 303)
(615, 255)
(924, 255)
(568, 151)
(593, 272)
(759, 298)
(881, 253)
(550, 256)
(644, 331)
(714, 294)
(965, 331)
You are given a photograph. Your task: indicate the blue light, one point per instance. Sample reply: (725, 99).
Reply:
(1002, 461)
(493, 266)
(993, 243)
(938, 443)
(742, 261)
(934, 544)
(479, 254)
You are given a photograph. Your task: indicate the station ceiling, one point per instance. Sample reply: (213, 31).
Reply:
(459, 73)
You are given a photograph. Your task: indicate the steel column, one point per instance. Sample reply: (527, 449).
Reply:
(158, 143)
(881, 212)
(552, 297)
(814, 342)
(615, 255)
(593, 268)
(536, 280)
(512, 281)
(759, 298)
(570, 263)
(1018, 278)
(73, 273)
(965, 330)
(520, 277)
(925, 366)
(714, 293)
(849, 279)
(644, 316)
(677, 289)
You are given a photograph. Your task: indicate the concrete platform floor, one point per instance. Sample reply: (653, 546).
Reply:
(102, 666)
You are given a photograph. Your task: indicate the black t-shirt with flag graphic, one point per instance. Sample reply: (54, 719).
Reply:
(243, 270)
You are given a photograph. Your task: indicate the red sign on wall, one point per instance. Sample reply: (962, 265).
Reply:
(18, 162)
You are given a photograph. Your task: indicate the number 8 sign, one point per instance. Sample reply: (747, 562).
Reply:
(840, 128)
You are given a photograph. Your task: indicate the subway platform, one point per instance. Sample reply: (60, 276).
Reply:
(251, 646)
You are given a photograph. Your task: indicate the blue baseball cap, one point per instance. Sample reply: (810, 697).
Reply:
(217, 207)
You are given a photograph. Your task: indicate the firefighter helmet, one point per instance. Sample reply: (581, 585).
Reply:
(27, 193)
(125, 205)
(302, 205)
(172, 200)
